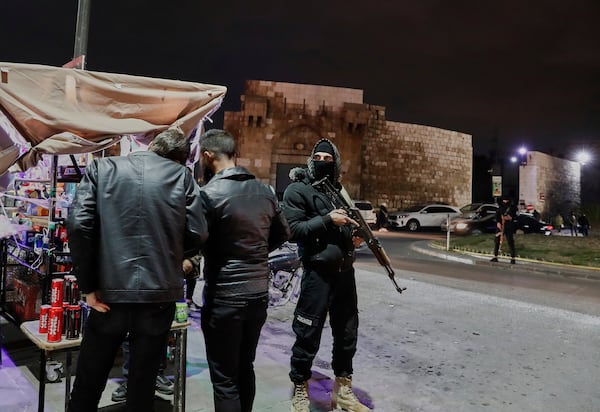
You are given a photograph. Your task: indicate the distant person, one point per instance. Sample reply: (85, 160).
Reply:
(245, 223)
(382, 218)
(584, 224)
(573, 223)
(133, 221)
(506, 225)
(559, 222)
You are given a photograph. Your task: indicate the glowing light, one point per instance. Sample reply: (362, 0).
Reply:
(522, 150)
(513, 159)
(583, 157)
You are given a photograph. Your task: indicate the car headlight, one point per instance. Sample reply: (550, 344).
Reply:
(461, 226)
(402, 216)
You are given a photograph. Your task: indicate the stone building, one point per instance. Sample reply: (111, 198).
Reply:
(550, 184)
(382, 161)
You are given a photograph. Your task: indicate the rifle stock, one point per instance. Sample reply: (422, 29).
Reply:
(327, 188)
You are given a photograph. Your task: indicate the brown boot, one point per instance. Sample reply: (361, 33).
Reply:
(300, 401)
(343, 397)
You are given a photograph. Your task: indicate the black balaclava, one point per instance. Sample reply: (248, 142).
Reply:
(319, 168)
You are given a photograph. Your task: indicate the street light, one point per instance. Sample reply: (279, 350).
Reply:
(523, 155)
(583, 157)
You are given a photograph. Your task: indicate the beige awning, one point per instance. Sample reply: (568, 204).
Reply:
(55, 110)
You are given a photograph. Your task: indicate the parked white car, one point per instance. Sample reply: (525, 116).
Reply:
(366, 210)
(420, 216)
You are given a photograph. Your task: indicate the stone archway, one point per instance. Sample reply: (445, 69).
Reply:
(290, 149)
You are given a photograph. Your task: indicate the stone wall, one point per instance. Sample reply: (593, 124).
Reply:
(550, 184)
(401, 164)
(405, 164)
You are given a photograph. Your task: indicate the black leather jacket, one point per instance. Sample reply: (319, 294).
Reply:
(245, 223)
(322, 244)
(133, 220)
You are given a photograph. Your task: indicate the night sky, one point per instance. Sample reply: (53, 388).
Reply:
(507, 72)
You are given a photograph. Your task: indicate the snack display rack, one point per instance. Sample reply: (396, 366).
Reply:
(37, 206)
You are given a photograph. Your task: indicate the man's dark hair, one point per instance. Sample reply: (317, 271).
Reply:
(219, 142)
(172, 145)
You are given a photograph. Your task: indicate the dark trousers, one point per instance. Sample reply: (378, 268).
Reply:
(148, 327)
(323, 293)
(509, 237)
(190, 286)
(126, 351)
(231, 335)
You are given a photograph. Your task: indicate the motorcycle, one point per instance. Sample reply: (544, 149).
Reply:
(285, 275)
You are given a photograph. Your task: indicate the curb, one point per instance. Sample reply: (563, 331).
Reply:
(446, 256)
(582, 272)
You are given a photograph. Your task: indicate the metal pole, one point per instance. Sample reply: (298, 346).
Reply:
(448, 232)
(81, 31)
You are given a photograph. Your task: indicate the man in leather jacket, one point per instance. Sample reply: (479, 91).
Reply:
(133, 221)
(245, 223)
(326, 245)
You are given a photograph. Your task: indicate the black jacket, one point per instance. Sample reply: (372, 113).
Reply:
(245, 223)
(504, 210)
(321, 243)
(133, 220)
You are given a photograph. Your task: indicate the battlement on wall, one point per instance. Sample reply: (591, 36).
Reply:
(311, 98)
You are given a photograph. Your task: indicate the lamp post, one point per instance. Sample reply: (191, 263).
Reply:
(512, 173)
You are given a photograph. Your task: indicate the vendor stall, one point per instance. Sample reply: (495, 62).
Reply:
(50, 119)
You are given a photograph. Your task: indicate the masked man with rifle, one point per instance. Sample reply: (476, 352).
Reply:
(506, 222)
(326, 245)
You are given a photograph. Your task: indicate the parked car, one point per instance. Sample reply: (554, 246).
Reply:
(366, 210)
(477, 218)
(526, 223)
(478, 208)
(420, 216)
(475, 225)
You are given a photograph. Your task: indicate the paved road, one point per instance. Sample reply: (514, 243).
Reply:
(437, 348)
(528, 281)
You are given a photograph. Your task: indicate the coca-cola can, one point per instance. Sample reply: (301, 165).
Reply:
(54, 324)
(57, 292)
(44, 313)
(73, 322)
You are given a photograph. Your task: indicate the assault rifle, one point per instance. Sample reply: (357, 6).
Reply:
(326, 187)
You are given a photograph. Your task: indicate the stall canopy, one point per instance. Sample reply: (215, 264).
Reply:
(55, 110)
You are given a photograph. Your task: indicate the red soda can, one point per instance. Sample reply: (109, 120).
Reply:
(73, 321)
(62, 234)
(54, 324)
(44, 313)
(57, 292)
